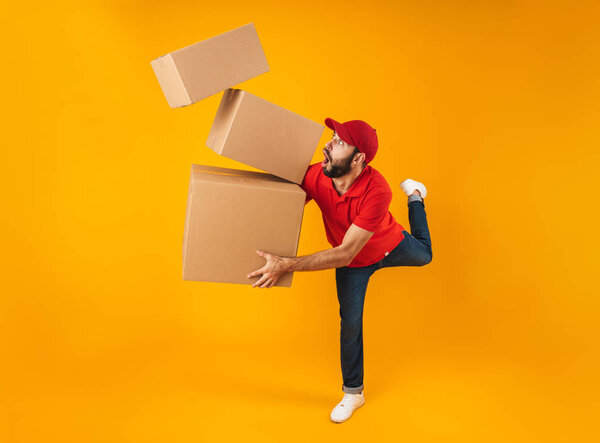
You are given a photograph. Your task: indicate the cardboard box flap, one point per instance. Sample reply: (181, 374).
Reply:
(228, 106)
(170, 81)
(247, 178)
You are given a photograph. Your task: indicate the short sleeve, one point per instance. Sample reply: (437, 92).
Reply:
(309, 182)
(373, 210)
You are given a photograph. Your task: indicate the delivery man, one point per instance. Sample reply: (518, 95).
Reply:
(354, 199)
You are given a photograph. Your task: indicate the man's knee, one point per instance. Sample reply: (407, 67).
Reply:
(426, 259)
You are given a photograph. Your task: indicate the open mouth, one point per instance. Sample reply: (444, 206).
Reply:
(327, 160)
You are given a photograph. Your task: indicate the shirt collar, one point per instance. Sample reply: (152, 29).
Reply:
(357, 188)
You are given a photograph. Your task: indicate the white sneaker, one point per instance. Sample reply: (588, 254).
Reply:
(344, 409)
(409, 186)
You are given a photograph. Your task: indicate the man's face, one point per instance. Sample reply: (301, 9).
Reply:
(338, 157)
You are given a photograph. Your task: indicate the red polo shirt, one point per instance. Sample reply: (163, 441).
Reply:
(366, 204)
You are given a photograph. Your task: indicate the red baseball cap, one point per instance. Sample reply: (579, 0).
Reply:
(357, 133)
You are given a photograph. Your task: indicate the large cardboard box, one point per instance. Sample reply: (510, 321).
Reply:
(230, 215)
(263, 135)
(208, 67)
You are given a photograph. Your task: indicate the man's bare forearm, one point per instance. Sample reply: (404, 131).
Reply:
(330, 258)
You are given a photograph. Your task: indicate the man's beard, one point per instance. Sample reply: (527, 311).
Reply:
(342, 168)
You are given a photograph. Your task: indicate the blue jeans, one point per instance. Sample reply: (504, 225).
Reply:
(413, 250)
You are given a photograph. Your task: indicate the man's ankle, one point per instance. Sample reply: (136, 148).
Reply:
(415, 197)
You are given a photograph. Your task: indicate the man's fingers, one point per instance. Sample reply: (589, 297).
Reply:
(257, 272)
(260, 281)
(267, 283)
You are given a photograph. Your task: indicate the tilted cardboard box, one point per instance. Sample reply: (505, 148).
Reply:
(263, 135)
(208, 67)
(230, 215)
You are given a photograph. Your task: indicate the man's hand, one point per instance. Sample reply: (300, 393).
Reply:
(341, 255)
(271, 271)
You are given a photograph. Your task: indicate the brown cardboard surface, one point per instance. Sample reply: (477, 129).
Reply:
(266, 136)
(200, 70)
(230, 215)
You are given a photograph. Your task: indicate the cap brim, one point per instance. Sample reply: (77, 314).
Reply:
(342, 132)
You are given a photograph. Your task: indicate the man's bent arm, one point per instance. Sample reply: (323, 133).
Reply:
(330, 258)
(341, 255)
(354, 240)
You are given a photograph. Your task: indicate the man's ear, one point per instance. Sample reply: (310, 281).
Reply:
(359, 158)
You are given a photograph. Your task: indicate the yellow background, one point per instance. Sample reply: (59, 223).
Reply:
(494, 105)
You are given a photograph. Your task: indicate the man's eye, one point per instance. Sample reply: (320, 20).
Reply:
(340, 142)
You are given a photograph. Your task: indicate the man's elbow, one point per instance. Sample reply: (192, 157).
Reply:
(347, 257)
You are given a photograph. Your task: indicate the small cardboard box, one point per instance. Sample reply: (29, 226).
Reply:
(230, 215)
(263, 135)
(200, 70)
